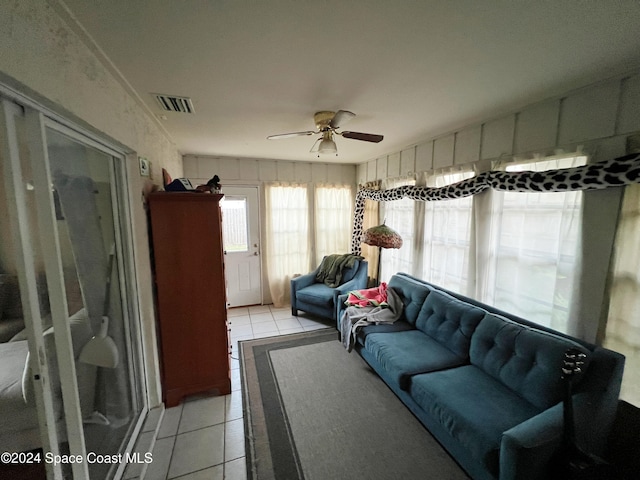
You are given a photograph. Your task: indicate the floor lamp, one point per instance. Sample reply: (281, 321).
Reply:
(381, 236)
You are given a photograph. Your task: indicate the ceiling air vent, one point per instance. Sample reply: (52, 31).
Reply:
(171, 103)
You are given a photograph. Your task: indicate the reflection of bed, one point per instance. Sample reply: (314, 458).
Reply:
(19, 429)
(9, 327)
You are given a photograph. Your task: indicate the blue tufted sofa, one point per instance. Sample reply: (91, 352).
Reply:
(485, 383)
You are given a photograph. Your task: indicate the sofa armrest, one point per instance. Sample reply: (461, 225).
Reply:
(341, 293)
(527, 448)
(340, 307)
(595, 399)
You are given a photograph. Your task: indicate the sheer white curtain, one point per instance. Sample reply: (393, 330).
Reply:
(287, 237)
(371, 219)
(623, 323)
(528, 248)
(399, 215)
(333, 219)
(447, 235)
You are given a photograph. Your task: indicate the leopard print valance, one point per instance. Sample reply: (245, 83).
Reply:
(611, 173)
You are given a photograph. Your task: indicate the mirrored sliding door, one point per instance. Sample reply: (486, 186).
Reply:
(88, 218)
(66, 275)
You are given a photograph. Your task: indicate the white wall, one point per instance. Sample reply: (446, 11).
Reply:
(599, 117)
(46, 59)
(237, 170)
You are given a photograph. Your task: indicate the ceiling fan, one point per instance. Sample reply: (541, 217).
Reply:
(327, 124)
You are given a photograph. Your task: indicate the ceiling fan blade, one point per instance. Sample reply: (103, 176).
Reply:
(340, 118)
(366, 137)
(290, 135)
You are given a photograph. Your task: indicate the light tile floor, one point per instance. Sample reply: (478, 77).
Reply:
(203, 437)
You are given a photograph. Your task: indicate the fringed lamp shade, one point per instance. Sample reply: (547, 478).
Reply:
(382, 236)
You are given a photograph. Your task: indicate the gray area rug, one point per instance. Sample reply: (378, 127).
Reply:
(313, 411)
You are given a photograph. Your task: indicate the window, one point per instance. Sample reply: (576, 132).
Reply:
(333, 219)
(623, 323)
(371, 219)
(447, 232)
(533, 249)
(399, 215)
(292, 237)
(287, 240)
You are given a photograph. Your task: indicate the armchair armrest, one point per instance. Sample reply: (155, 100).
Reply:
(303, 280)
(527, 448)
(298, 283)
(345, 288)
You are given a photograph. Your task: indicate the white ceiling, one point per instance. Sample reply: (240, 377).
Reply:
(410, 70)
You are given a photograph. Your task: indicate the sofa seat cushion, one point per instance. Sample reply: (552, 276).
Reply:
(473, 407)
(404, 354)
(526, 360)
(398, 326)
(449, 321)
(316, 294)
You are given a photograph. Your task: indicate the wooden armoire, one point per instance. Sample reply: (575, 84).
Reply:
(186, 228)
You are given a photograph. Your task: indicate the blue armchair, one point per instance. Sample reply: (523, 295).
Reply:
(319, 299)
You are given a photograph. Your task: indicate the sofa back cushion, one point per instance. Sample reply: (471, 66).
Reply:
(526, 360)
(449, 321)
(412, 293)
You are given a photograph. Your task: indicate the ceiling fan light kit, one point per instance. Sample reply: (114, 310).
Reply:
(327, 145)
(327, 123)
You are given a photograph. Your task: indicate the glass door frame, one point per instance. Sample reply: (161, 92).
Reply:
(24, 246)
(12, 105)
(127, 276)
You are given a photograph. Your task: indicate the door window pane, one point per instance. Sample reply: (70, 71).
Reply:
(234, 224)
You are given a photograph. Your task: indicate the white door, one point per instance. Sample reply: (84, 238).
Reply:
(241, 240)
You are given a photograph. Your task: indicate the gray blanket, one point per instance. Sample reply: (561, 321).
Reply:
(355, 318)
